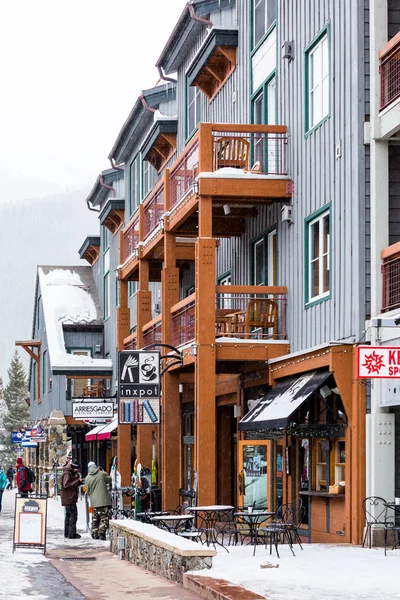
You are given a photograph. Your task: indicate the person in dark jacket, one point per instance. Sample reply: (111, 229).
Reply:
(10, 477)
(70, 481)
(23, 485)
(96, 483)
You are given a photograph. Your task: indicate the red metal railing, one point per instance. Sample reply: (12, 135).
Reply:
(152, 333)
(255, 152)
(183, 175)
(251, 312)
(183, 321)
(153, 210)
(131, 238)
(391, 284)
(389, 69)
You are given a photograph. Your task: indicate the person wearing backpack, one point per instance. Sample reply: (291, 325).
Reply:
(23, 478)
(3, 484)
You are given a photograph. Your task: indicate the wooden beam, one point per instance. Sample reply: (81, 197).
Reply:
(244, 188)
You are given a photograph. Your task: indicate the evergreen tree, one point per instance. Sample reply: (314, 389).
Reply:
(17, 410)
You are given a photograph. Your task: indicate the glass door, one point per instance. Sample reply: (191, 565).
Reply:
(254, 477)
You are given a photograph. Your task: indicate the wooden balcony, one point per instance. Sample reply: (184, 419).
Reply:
(250, 324)
(130, 342)
(391, 277)
(152, 332)
(389, 68)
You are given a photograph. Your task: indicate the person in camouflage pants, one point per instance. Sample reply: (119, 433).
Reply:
(100, 522)
(97, 483)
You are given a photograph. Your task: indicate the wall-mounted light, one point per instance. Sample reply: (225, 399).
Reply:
(194, 349)
(135, 252)
(161, 223)
(237, 411)
(195, 187)
(227, 210)
(181, 388)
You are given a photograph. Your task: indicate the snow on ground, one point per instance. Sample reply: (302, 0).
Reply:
(319, 572)
(16, 569)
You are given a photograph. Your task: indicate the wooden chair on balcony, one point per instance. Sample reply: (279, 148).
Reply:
(262, 314)
(232, 152)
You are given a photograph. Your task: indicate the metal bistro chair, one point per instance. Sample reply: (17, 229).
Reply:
(375, 514)
(390, 525)
(298, 512)
(278, 531)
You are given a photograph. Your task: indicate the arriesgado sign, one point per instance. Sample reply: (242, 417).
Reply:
(93, 410)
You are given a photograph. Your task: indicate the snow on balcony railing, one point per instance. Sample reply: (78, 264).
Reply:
(130, 238)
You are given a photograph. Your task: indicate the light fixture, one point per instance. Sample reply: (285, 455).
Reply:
(161, 223)
(227, 210)
(237, 411)
(325, 391)
(135, 252)
(195, 187)
(181, 388)
(194, 349)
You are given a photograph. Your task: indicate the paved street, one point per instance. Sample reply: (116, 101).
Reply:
(29, 574)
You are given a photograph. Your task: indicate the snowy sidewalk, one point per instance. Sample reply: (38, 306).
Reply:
(319, 572)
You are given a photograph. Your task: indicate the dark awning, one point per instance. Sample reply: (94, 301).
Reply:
(276, 408)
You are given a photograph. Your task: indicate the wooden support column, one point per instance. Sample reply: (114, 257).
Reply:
(29, 346)
(144, 433)
(123, 330)
(171, 409)
(205, 367)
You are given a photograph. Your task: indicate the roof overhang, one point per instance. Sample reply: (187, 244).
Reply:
(185, 32)
(138, 120)
(90, 249)
(160, 144)
(112, 214)
(99, 193)
(215, 61)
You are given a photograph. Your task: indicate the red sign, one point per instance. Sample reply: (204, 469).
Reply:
(378, 362)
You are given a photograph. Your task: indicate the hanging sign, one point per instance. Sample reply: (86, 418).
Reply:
(17, 436)
(37, 433)
(93, 410)
(378, 362)
(27, 441)
(139, 387)
(30, 522)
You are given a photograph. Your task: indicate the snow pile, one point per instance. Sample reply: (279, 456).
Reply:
(67, 301)
(158, 116)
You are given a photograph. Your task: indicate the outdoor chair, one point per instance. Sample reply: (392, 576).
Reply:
(390, 525)
(261, 313)
(278, 530)
(375, 514)
(232, 152)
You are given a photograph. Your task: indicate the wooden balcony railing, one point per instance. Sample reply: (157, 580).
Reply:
(183, 321)
(251, 312)
(131, 238)
(389, 69)
(184, 172)
(153, 210)
(130, 342)
(391, 277)
(152, 333)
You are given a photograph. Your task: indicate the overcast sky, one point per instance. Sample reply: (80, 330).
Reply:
(70, 73)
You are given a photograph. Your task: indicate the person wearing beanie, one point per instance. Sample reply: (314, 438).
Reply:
(3, 484)
(23, 485)
(96, 483)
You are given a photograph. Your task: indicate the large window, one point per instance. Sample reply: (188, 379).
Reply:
(317, 80)
(264, 14)
(193, 116)
(264, 259)
(149, 177)
(317, 253)
(265, 150)
(45, 373)
(106, 275)
(132, 288)
(134, 185)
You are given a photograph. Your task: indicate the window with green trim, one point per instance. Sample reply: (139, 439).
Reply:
(116, 292)
(317, 73)
(265, 151)
(264, 15)
(149, 177)
(134, 185)
(264, 258)
(317, 255)
(132, 288)
(106, 275)
(45, 373)
(193, 109)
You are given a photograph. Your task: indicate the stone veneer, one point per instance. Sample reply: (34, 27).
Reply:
(158, 551)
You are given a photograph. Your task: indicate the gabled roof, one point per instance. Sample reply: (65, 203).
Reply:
(69, 298)
(98, 194)
(185, 32)
(139, 120)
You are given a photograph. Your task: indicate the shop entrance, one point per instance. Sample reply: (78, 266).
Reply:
(254, 479)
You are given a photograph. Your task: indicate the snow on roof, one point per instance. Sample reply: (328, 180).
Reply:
(68, 300)
(233, 173)
(158, 116)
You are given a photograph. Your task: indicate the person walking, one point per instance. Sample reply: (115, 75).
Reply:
(23, 485)
(3, 483)
(10, 477)
(70, 481)
(96, 483)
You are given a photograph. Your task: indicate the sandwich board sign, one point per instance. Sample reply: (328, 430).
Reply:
(30, 522)
(139, 387)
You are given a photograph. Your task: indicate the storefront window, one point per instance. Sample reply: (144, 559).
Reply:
(255, 475)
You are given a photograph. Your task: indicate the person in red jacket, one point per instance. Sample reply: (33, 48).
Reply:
(23, 485)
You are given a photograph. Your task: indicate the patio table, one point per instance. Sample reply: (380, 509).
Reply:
(208, 517)
(171, 523)
(396, 513)
(253, 520)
